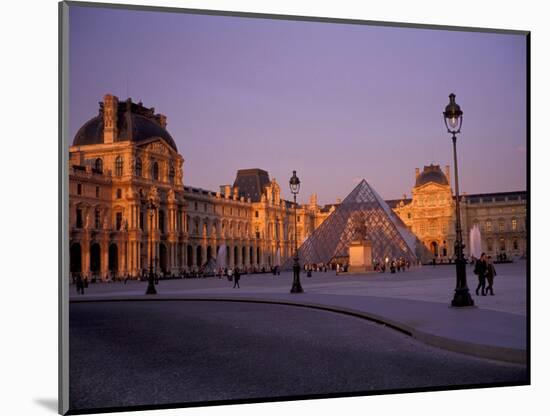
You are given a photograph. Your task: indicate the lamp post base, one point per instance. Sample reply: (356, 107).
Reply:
(296, 286)
(151, 286)
(462, 298)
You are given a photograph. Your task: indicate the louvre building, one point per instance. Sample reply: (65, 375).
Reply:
(129, 209)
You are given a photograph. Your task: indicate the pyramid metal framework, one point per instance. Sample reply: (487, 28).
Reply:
(362, 214)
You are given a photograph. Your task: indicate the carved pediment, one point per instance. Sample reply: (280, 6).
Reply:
(157, 146)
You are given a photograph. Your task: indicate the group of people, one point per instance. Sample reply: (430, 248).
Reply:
(81, 283)
(395, 265)
(486, 273)
(235, 276)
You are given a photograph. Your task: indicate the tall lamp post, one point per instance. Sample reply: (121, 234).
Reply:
(295, 188)
(453, 121)
(151, 285)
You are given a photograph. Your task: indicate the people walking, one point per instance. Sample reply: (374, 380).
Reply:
(491, 273)
(230, 274)
(480, 269)
(79, 284)
(237, 277)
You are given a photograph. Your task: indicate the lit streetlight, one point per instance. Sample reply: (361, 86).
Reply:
(453, 121)
(295, 188)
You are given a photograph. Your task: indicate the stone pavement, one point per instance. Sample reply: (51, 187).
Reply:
(416, 302)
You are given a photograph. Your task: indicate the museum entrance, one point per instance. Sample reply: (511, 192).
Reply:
(434, 248)
(95, 259)
(163, 254)
(75, 258)
(113, 259)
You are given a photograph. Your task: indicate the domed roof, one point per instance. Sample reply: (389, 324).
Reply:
(432, 173)
(134, 122)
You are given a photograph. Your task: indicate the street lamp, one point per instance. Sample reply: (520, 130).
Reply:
(151, 285)
(453, 122)
(295, 188)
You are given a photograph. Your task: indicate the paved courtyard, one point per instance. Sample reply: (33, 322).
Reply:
(425, 283)
(202, 340)
(159, 352)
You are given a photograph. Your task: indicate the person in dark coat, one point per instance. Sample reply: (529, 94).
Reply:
(491, 273)
(481, 269)
(236, 278)
(79, 284)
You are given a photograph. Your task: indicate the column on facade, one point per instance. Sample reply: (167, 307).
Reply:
(193, 255)
(104, 256)
(85, 252)
(131, 256)
(139, 266)
(254, 259)
(231, 255)
(122, 255)
(246, 260)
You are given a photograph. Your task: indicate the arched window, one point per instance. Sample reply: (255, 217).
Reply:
(98, 165)
(161, 221)
(155, 172)
(118, 166)
(515, 244)
(139, 167)
(172, 173)
(502, 244)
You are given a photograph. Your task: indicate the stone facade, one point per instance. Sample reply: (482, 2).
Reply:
(431, 213)
(124, 159)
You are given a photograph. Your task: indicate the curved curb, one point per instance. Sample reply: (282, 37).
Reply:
(511, 355)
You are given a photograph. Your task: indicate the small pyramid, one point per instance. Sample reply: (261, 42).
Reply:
(362, 214)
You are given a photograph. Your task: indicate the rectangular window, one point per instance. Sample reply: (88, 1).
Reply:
(205, 208)
(78, 218)
(97, 219)
(256, 214)
(79, 189)
(141, 220)
(118, 220)
(97, 191)
(298, 220)
(501, 226)
(514, 224)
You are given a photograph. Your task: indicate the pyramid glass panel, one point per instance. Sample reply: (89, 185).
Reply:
(362, 215)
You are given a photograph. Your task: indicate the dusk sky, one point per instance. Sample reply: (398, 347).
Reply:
(336, 102)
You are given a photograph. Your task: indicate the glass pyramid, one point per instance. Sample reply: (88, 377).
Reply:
(362, 214)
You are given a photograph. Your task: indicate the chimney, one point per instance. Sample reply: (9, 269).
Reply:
(235, 192)
(110, 109)
(227, 191)
(313, 200)
(417, 172)
(448, 173)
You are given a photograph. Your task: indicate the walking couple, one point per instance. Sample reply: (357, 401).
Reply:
(485, 270)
